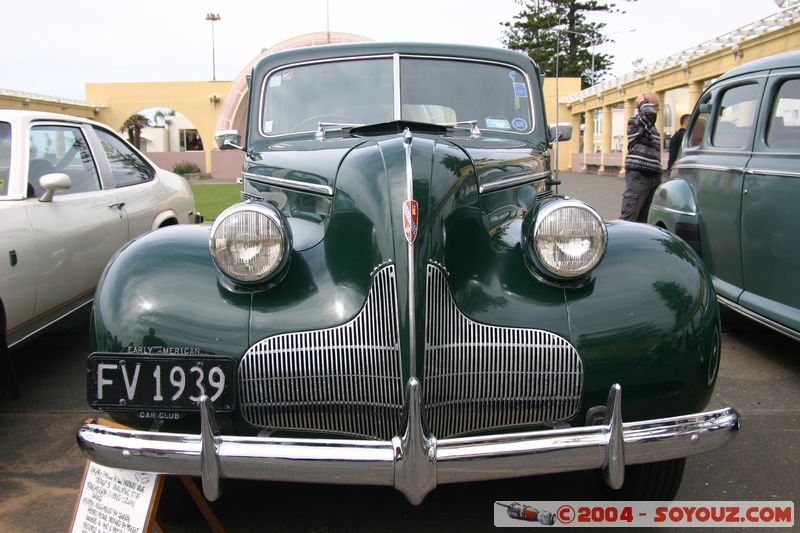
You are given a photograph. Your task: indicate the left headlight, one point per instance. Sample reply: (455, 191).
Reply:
(250, 243)
(568, 238)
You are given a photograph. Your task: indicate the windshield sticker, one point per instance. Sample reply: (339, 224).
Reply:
(513, 75)
(520, 90)
(267, 126)
(519, 124)
(287, 76)
(497, 123)
(275, 81)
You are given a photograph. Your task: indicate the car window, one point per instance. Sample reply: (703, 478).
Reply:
(61, 149)
(445, 91)
(127, 167)
(783, 130)
(350, 92)
(5, 156)
(735, 118)
(697, 128)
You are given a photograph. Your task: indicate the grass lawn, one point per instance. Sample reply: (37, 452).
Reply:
(212, 198)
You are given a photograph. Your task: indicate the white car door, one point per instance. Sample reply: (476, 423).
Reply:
(81, 228)
(136, 187)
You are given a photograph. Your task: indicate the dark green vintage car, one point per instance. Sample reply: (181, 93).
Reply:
(735, 189)
(402, 299)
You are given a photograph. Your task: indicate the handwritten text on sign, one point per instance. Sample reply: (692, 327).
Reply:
(114, 501)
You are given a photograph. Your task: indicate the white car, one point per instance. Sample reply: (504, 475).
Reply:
(72, 192)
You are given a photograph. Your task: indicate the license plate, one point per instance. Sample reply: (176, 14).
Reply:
(122, 382)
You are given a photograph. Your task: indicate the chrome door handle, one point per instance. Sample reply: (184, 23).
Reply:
(118, 205)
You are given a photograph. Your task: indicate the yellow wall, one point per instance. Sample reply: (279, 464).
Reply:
(189, 98)
(565, 86)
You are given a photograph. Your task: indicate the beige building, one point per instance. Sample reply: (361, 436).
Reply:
(598, 114)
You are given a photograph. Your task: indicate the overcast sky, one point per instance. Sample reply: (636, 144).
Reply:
(53, 47)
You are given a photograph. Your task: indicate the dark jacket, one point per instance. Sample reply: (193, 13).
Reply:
(675, 146)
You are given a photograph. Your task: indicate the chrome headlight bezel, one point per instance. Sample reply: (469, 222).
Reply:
(541, 238)
(260, 213)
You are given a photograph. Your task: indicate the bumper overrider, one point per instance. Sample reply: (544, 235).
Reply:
(414, 461)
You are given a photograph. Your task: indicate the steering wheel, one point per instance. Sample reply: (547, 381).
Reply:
(314, 121)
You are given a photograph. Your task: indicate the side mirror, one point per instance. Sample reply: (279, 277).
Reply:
(229, 140)
(50, 183)
(560, 132)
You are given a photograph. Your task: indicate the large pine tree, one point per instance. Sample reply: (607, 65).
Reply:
(544, 26)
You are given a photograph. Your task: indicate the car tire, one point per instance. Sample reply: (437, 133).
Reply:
(650, 482)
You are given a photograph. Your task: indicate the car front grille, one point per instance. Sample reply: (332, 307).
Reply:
(345, 379)
(480, 377)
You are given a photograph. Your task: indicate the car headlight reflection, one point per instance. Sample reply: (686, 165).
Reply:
(569, 238)
(249, 243)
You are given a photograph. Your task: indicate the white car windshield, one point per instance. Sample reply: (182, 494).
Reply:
(434, 91)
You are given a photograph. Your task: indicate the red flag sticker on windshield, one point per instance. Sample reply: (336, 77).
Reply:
(410, 214)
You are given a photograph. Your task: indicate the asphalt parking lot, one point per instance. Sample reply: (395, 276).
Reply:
(41, 467)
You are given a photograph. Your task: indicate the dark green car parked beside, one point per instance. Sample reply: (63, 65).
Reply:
(403, 299)
(735, 189)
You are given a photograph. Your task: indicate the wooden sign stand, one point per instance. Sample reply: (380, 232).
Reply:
(109, 498)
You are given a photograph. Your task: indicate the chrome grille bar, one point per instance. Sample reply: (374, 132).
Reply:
(345, 379)
(480, 377)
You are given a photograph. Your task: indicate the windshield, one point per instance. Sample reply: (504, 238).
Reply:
(361, 91)
(5, 156)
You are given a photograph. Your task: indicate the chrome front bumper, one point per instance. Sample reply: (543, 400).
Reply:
(414, 462)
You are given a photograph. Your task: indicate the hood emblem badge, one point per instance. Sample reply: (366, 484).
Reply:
(410, 220)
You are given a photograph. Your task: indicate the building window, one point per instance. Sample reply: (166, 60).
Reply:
(190, 141)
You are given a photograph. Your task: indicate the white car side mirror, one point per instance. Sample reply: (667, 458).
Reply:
(50, 183)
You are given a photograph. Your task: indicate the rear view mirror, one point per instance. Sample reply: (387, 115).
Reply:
(50, 183)
(228, 140)
(560, 132)
(704, 108)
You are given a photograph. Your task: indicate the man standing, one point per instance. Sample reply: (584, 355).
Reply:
(643, 162)
(677, 139)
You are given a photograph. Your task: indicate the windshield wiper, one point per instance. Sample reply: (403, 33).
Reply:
(471, 125)
(324, 127)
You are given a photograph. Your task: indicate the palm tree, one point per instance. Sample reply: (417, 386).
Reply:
(134, 126)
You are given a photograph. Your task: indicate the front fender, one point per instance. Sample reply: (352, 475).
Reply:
(648, 320)
(162, 290)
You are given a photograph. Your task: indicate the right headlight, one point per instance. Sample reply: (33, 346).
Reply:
(568, 238)
(250, 243)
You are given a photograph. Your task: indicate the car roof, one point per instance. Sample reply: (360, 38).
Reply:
(24, 115)
(787, 59)
(485, 53)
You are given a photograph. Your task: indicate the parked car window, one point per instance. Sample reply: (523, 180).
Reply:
(736, 116)
(128, 168)
(697, 129)
(783, 130)
(61, 149)
(5, 156)
(446, 91)
(356, 92)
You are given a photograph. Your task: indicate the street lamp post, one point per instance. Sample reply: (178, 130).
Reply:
(213, 17)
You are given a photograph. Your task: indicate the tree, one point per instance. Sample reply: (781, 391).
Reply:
(133, 126)
(545, 26)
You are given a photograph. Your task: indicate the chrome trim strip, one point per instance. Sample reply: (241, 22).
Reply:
(396, 90)
(764, 321)
(412, 278)
(693, 166)
(432, 462)
(773, 172)
(511, 182)
(673, 211)
(302, 186)
(480, 377)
